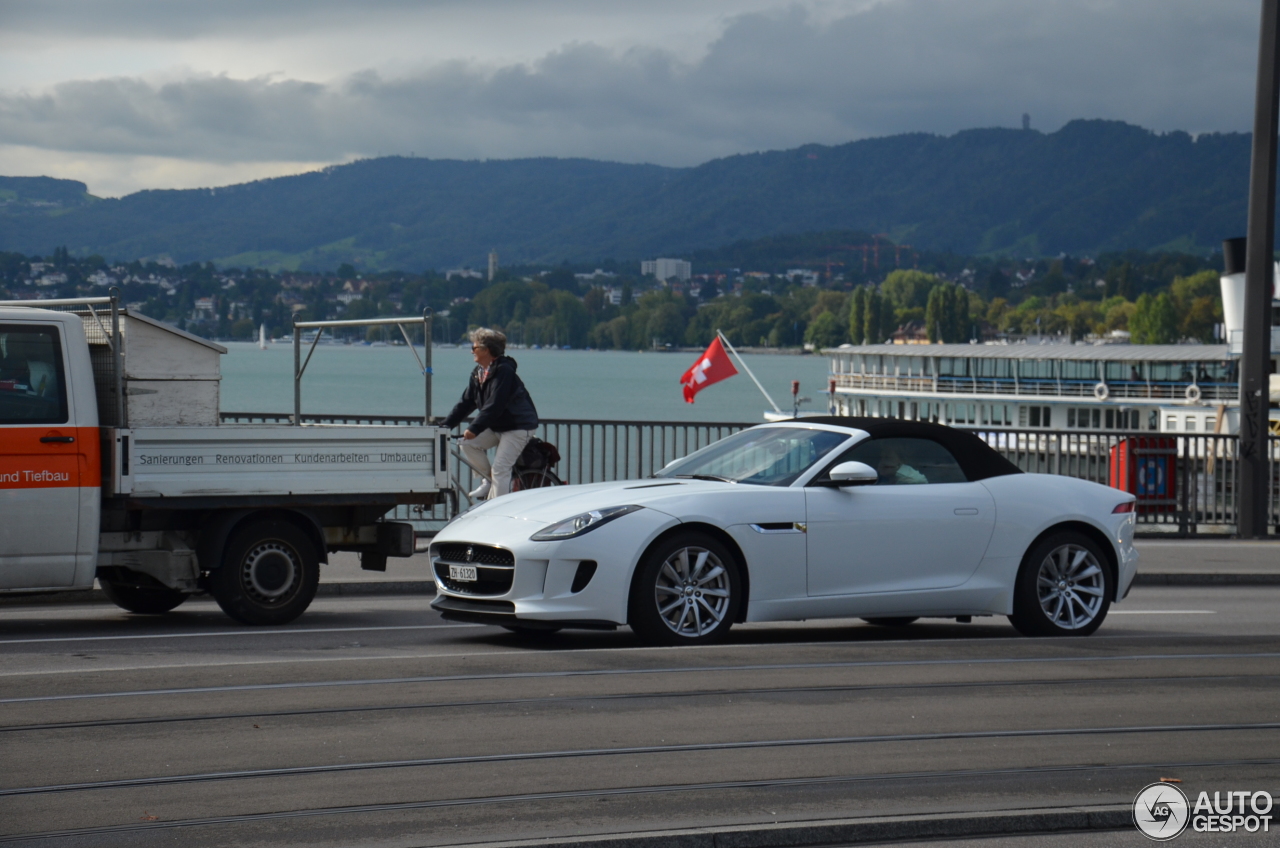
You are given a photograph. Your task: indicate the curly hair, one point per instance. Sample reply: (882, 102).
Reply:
(495, 341)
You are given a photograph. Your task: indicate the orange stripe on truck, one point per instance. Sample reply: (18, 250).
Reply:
(28, 463)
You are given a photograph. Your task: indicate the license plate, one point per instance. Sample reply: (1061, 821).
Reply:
(465, 573)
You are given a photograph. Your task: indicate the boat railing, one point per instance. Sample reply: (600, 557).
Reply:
(1191, 483)
(1038, 387)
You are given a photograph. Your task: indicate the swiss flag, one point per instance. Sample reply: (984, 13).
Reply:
(712, 367)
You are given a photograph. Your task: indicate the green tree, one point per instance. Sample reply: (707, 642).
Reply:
(858, 315)
(1119, 281)
(908, 288)
(1154, 321)
(873, 320)
(825, 331)
(933, 315)
(1198, 300)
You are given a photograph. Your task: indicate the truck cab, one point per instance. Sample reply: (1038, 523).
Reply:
(50, 466)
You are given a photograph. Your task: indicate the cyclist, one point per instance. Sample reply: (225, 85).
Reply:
(506, 419)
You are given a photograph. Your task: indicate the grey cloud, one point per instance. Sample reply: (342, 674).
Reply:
(188, 19)
(193, 18)
(769, 81)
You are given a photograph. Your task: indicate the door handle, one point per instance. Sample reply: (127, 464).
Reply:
(966, 511)
(61, 440)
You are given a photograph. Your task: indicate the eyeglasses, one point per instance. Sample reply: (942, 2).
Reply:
(479, 347)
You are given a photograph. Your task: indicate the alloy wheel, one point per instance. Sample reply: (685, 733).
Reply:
(1071, 587)
(692, 591)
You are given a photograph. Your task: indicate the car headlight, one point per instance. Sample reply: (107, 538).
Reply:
(579, 524)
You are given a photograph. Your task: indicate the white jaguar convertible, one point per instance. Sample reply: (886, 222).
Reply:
(879, 519)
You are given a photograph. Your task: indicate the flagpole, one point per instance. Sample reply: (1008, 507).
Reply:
(748, 370)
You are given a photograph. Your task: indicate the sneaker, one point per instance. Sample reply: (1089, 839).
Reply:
(481, 491)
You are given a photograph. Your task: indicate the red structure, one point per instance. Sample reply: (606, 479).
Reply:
(1147, 466)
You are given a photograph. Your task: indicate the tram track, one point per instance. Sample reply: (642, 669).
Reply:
(290, 771)
(605, 792)
(489, 739)
(620, 672)
(635, 696)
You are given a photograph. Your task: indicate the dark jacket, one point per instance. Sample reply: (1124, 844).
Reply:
(502, 399)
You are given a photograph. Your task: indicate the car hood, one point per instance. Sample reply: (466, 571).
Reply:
(560, 502)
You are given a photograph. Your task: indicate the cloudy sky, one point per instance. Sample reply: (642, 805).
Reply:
(134, 94)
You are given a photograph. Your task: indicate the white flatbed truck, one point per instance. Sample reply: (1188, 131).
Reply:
(114, 465)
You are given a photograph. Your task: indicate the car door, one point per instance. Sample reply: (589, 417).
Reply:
(40, 460)
(922, 526)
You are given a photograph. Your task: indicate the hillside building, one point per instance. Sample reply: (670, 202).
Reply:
(667, 269)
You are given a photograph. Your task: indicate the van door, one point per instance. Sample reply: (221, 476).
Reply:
(40, 460)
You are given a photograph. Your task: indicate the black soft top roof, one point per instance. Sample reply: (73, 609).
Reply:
(977, 459)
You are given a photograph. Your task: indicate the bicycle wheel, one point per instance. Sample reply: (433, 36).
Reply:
(531, 479)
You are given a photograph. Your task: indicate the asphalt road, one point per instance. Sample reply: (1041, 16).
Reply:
(371, 721)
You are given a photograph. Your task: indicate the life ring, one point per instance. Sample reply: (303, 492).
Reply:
(1101, 391)
(1193, 393)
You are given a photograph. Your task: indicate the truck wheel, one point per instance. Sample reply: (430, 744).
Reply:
(143, 600)
(269, 573)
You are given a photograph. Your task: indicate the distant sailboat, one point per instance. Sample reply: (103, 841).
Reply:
(262, 337)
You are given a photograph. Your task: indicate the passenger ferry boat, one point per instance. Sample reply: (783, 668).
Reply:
(1185, 388)
(1112, 387)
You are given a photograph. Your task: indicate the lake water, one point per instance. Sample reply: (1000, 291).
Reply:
(566, 384)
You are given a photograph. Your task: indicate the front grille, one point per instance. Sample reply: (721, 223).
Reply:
(465, 554)
(495, 568)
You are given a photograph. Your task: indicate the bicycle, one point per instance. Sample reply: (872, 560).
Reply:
(533, 469)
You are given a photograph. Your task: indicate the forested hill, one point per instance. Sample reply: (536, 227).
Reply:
(1091, 186)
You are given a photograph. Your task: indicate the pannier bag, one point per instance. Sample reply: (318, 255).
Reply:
(538, 454)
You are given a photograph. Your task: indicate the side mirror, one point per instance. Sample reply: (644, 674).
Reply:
(853, 474)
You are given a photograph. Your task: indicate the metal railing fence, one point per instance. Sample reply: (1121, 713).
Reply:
(1193, 489)
(1187, 483)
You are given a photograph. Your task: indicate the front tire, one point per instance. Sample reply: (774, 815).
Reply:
(143, 600)
(687, 591)
(1063, 588)
(269, 574)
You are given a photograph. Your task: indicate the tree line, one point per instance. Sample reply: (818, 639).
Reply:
(1155, 298)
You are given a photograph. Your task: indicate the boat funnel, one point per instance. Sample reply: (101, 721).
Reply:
(1232, 281)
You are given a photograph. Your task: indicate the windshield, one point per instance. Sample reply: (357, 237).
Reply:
(765, 456)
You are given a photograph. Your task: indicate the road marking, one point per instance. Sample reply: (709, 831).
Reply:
(609, 672)
(206, 634)
(1163, 612)
(525, 652)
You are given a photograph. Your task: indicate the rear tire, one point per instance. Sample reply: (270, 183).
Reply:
(269, 574)
(687, 591)
(143, 600)
(534, 480)
(1064, 587)
(900, 621)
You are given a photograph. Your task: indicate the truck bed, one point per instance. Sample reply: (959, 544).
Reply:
(257, 460)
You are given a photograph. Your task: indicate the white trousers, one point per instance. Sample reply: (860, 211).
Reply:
(508, 444)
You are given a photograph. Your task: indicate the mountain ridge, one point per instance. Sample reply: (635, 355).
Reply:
(1088, 187)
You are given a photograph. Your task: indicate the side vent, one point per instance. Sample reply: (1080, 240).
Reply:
(586, 570)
